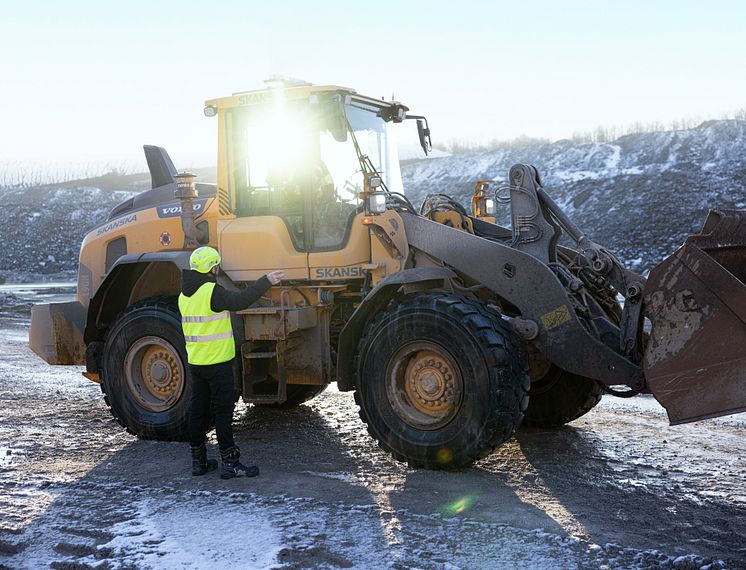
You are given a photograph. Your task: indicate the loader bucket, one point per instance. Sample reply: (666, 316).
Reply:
(695, 360)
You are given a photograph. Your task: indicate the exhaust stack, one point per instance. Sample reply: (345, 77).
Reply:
(186, 192)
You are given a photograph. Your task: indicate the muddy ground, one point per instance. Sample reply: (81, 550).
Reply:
(618, 488)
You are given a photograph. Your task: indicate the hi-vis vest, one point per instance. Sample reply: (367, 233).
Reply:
(208, 335)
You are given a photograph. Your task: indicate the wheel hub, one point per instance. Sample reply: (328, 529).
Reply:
(160, 373)
(154, 373)
(429, 382)
(424, 385)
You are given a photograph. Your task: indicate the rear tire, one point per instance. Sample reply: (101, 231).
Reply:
(441, 381)
(145, 377)
(559, 398)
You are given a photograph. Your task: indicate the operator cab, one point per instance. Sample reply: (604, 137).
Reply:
(301, 152)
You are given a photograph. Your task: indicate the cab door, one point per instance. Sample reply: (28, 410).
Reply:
(270, 230)
(252, 246)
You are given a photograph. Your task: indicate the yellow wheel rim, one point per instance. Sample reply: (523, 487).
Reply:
(154, 373)
(424, 385)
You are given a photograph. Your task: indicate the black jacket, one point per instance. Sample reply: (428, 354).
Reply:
(222, 299)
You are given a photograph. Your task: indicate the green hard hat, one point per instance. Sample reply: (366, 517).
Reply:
(204, 258)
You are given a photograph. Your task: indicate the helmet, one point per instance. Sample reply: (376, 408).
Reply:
(203, 259)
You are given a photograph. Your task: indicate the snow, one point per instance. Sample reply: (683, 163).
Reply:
(178, 535)
(612, 163)
(414, 152)
(346, 477)
(639, 196)
(636, 262)
(7, 455)
(577, 175)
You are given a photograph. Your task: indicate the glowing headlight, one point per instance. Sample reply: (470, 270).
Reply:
(375, 203)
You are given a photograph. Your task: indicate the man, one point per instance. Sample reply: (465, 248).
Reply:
(211, 350)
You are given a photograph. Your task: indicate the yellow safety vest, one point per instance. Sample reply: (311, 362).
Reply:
(208, 335)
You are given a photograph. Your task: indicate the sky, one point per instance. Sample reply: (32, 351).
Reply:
(92, 81)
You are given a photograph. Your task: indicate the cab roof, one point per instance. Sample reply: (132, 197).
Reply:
(289, 91)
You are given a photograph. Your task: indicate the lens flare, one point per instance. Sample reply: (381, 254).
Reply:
(444, 456)
(459, 505)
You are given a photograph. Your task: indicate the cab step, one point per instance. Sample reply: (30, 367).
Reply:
(256, 367)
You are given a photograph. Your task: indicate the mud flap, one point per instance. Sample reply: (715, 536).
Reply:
(695, 361)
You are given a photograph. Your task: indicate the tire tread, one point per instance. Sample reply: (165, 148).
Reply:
(157, 304)
(500, 346)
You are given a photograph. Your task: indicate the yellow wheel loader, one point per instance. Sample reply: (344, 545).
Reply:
(451, 329)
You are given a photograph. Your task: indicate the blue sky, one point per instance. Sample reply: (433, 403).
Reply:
(93, 81)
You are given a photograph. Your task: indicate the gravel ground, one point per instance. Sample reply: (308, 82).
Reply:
(615, 489)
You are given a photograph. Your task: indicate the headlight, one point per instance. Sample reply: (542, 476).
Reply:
(375, 203)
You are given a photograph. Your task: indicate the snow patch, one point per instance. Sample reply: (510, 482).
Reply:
(346, 477)
(7, 455)
(612, 163)
(196, 535)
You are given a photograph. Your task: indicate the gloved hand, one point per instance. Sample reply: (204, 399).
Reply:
(276, 276)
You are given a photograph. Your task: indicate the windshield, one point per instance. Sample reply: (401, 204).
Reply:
(288, 159)
(376, 140)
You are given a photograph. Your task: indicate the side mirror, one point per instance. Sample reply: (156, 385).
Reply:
(423, 131)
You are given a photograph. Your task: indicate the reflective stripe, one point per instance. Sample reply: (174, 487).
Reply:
(207, 319)
(208, 337)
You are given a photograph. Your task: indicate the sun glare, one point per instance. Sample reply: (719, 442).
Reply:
(281, 143)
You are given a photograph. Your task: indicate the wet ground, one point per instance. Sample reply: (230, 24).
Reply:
(618, 488)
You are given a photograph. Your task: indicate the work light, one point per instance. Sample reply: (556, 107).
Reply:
(485, 207)
(490, 208)
(375, 203)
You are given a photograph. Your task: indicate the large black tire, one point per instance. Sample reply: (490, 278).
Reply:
(452, 348)
(296, 395)
(145, 377)
(560, 397)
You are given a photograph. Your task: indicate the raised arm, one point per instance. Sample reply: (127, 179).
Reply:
(224, 300)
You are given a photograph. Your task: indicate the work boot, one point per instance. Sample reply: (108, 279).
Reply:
(200, 463)
(232, 467)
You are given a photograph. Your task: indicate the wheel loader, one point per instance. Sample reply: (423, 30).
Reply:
(450, 329)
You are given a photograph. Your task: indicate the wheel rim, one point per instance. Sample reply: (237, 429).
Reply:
(154, 373)
(424, 385)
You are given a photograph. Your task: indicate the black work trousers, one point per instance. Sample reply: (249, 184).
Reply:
(212, 386)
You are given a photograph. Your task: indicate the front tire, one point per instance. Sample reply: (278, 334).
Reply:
(441, 381)
(145, 377)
